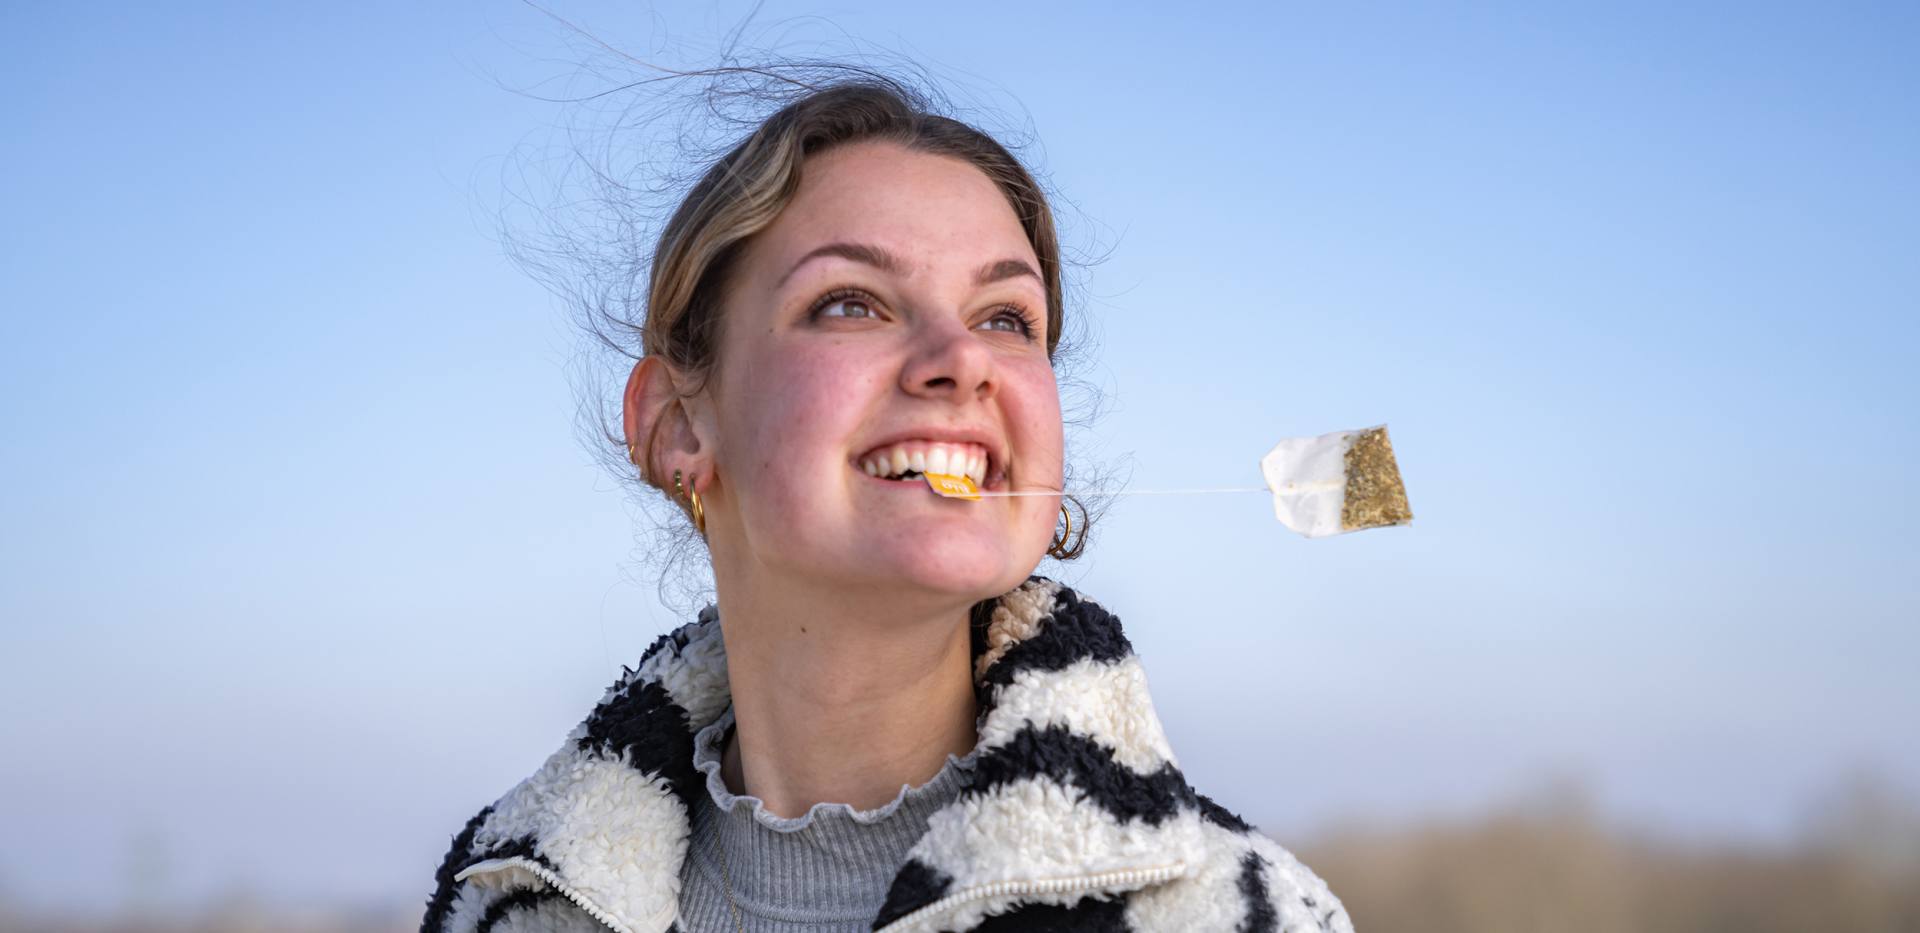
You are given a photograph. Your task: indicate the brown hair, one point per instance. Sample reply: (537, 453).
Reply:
(744, 191)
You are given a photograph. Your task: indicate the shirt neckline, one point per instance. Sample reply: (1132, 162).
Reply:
(709, 744)
(776, 864)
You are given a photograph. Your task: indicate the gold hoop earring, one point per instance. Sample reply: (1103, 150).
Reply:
(633, 457)
(692, 496)
(1059, 546)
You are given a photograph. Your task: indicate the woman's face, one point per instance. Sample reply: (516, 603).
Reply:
(894, 308)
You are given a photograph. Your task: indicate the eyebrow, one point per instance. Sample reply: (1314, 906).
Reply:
(886, 262)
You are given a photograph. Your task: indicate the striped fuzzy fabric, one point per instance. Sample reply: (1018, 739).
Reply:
(1076, 817)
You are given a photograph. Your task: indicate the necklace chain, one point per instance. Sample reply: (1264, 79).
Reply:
(726, 882)
(726, 876)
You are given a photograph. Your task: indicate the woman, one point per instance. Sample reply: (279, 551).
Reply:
(884, 721)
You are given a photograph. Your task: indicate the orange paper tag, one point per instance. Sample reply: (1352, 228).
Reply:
(952, 486)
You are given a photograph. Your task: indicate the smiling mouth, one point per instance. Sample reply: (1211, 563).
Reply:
(911, 461)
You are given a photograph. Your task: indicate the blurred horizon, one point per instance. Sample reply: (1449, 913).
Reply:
(1541, 857)
(304, 560)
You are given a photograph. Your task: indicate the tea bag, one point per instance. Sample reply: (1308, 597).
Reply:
(1336, 483)
(1321, 486)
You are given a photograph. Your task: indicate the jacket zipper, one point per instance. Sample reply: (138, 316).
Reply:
(1129, 878)
(552, 880)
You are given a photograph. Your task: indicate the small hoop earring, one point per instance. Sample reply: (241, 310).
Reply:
(1059, 546)
(633, 457)
(692, 496)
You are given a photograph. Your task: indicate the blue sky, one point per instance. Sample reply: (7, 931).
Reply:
(299, 541)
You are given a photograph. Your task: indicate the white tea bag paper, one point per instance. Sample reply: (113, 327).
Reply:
(1336, 483)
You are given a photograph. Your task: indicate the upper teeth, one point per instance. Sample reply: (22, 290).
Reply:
(969, 460)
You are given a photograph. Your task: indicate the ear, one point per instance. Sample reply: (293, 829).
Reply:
(655, 415)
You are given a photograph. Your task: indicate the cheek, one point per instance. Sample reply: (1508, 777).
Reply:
(800, 410)
(1035, 411)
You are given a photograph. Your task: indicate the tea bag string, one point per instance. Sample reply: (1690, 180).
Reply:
(1292, 489)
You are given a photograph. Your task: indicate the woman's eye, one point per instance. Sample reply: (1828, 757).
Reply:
(844, 304)
(853, 308)
(1015, 322)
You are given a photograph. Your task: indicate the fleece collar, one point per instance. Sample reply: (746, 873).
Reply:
(1076, 792)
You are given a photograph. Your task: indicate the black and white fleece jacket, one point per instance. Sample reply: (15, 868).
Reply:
(1075, 818)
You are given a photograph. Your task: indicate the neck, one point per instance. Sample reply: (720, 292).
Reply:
(839, 699)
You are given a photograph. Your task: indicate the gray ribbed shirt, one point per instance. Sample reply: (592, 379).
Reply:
(827, 870)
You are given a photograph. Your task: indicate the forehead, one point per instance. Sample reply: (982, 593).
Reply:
(933, 211)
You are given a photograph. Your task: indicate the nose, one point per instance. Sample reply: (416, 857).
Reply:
(949, 362)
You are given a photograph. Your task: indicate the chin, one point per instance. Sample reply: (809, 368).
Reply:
(969, 574)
